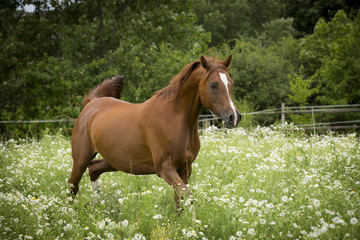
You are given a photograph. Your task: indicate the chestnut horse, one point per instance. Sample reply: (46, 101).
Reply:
(158, 136)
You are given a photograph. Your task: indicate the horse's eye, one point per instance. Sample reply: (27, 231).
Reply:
(214, 85)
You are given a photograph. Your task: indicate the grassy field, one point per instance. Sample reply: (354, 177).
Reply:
(258, 184)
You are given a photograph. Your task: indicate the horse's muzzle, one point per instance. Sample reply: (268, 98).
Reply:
(231, 121)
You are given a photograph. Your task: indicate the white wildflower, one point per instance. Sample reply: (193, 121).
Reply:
(190, 233)
(125, 223)
(353, 221)
(157, 216)
(102, 224)
(68, 227)
(338, 220)
(251, 231)
(139, 236)
(284, 198)
(316, 203)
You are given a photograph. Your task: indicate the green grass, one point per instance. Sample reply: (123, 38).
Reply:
(246, 185)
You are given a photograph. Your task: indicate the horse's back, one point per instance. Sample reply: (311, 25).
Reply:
(106, 116)
(99, 108)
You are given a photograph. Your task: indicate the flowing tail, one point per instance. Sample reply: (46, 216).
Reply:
(109, 88)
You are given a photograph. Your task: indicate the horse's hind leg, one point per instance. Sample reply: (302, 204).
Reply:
(96, 168)
(82, 156)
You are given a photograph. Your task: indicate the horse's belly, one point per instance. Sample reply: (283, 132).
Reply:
(131, 159)
(123, 146)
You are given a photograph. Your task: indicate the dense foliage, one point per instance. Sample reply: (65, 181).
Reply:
(52, 56)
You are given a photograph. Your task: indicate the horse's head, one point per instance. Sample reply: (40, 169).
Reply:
(215, 91)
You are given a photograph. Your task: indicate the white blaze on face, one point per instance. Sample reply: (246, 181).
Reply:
(224, 79)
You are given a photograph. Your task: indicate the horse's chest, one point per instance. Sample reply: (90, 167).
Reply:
(192, 149)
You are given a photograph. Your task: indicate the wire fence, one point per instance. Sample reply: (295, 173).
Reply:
(283, 111)
(324, 109)
(39, 121)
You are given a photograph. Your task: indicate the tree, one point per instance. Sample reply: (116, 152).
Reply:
(331, 57)
(306, 13)
(229, 19)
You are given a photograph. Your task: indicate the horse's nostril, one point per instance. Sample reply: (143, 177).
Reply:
(231, 118)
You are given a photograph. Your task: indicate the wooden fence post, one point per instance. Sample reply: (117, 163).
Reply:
(313, 119)
(282, 114)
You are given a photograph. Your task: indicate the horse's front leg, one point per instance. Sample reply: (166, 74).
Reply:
(172, 177)
(185, 175)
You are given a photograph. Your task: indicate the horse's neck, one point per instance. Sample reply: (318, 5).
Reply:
(188, 102)
(186, 106)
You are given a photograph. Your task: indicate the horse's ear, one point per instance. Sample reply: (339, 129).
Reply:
(227, 62)
(204, 63)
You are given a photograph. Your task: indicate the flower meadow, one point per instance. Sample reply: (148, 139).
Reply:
(258, 184)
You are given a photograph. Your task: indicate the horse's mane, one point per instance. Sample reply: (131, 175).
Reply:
(172, 90)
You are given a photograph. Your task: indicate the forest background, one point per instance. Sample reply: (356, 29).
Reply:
(284, 51)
